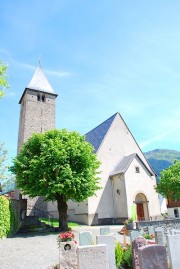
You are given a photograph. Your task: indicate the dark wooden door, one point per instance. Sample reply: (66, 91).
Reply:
(140, 212)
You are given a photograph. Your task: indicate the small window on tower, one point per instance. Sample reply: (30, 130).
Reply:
(43, 98)
(137, 169)
(38, 97)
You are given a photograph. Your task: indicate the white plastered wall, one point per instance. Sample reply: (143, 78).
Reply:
(144, 183)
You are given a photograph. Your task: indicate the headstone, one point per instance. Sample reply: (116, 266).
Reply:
(109, 241)
(91, 257)
(141, 231)
(85, 238)
(169, 230)
(150, 230)
(133, 235)
(67, 252)
(160, 236)
(175, 231)
(137, 243)
(173, 244)
(104, 230)
(152, 256)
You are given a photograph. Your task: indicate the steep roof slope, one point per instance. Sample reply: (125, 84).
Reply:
(39, 82)
(96, 136)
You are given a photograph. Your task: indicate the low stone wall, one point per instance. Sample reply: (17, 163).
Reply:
(175, 223)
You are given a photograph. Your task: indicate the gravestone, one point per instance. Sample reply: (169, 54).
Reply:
(133, 235)
(137, 243)
(109, 241)
(173, 244)
(91, 257)
(160, 236)
(175, 231)
(150, 230)
(152, 256)
(85, 238)
(104, 230)
(67, 252)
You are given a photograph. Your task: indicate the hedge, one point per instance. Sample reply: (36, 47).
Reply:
(8, 221)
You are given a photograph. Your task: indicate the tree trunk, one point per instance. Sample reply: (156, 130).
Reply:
(62, 209)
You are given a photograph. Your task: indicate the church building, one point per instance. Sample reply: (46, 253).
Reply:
(127, 180)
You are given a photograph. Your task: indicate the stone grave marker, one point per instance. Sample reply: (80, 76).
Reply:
(137, 243)
(160, 236)
(109, 240)
(133, 235)
(173, 245)
(67, 252)
(85, 238)
(150, 230)
(92, 257)
(152, 256)
(104, 230)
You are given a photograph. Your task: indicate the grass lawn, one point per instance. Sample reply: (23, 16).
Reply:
(55, 222)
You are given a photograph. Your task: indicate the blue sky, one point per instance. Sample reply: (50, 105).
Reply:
(101, 57)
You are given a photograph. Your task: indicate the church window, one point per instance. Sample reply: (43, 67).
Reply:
(38, 97)
(137, 169)
(43, 98)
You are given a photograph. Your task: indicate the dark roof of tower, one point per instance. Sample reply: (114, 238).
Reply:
(124, 164)
(96, 136)
(39, 82)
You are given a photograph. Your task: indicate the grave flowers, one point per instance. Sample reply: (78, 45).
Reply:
(129, 224)
(67, 236)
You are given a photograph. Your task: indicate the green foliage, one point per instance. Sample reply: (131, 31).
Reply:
(169, 185)
(127, 258)
(118, 253)
(57, 162)
(8, 222)
(3, 79)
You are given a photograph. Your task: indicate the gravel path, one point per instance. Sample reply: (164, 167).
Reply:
(39, 251)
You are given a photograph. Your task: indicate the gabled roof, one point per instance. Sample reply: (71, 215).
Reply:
(96, 136)
(124, 164)
(39, 82)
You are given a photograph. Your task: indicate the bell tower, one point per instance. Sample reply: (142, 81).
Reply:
(37, 110)
(37, 107)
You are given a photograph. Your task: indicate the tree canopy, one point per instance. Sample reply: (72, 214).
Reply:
(3, 79)
(169, 184)
(58, 165)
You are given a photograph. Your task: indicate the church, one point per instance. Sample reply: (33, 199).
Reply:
(127, 180)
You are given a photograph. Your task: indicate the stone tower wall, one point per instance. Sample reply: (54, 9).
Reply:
(35, 116)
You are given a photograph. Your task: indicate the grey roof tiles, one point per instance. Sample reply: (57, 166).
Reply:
(96, 136)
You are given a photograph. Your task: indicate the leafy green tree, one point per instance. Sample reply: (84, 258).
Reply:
(169, 185)
(3, 79)
(58, 165)
(3, 165)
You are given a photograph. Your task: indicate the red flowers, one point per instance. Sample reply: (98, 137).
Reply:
(67, 236)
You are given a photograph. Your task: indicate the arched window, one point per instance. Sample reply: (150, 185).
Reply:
(38, 97)
(43, 98)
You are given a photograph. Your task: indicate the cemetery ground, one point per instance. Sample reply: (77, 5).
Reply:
(40, 251)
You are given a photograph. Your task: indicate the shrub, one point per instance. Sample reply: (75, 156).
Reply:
(118, 253)
(127, 258)
(8, 222)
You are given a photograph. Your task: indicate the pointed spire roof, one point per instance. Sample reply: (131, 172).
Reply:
(96, 136)
(39, 82)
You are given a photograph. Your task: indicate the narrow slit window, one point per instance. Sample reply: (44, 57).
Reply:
(137, 169)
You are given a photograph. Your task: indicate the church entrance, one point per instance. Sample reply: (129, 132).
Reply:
(140, 212)
(141, 207)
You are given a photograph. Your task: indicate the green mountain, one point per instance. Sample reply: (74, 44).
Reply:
(161, 159)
